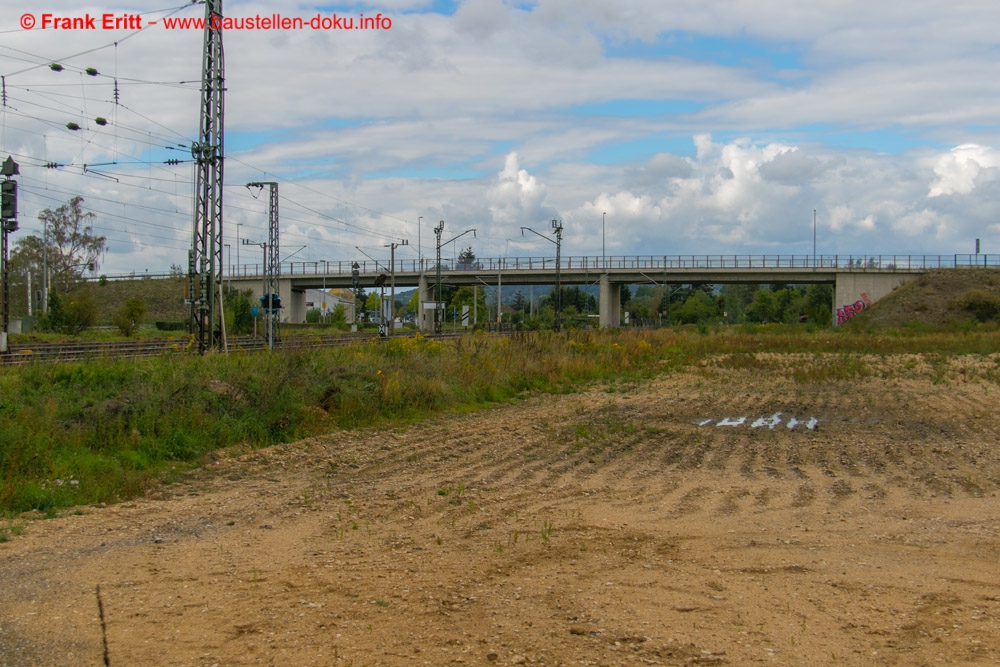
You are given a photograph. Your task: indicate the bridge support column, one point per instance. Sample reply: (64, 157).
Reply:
(610, 303)
(425, 317)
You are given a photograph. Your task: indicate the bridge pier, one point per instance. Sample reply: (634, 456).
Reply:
(293, 302)
(610, 304)
(425, 317)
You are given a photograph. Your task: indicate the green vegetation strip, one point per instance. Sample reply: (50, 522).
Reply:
(102, 431)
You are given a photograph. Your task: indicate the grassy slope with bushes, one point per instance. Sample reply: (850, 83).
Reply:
(164, 298)
(105, 430)
(938, 299)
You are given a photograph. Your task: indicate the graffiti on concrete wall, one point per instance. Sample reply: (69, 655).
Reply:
(848, 311)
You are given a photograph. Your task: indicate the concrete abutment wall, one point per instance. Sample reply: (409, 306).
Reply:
(856, 291)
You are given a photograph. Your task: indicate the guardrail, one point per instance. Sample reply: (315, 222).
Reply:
(599, 264)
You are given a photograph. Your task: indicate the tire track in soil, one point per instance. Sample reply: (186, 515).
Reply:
(654, 535)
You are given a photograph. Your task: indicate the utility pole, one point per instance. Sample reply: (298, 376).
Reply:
(263, 287)
(437, 299)
(356, 281)
(205, 257)
(392, 273)
(499, 297)
(272, 263)
(437, 284)
(45, 266)
(557, 226)
(8, 224)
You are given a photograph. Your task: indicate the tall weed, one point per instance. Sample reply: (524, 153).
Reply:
(109, 429)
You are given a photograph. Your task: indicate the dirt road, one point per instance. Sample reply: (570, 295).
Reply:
(739, 513)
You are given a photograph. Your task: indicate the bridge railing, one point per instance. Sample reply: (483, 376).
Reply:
(611, 263)
(650, 262)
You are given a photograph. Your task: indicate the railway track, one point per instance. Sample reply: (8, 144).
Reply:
(152, 347)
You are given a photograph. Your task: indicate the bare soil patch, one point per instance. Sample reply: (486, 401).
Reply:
(616, 526)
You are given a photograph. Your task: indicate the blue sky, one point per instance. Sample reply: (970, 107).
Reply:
(692, 126)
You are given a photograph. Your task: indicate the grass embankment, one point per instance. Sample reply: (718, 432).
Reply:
(106, 430)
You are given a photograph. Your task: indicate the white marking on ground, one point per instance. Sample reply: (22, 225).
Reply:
(769, 422)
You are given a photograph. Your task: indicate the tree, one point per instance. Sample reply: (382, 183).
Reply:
(819, 303)
(764, 307)
(519, 302)
(467, 259)
(698, 307)
(374, 303)
(73, 247)
(338, 318)
(413, 305)
(464, 296)
(625, 294)
(239, 311)
(128, 316)
(71, 314)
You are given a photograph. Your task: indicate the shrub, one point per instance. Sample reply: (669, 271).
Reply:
(129, 316)
(338, 318)
(239, 315)
(164, 325)
(70, 315)
(984, 305)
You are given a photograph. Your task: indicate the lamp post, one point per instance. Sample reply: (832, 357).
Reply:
(392, 292)
(814, 238)
(604, 257)
(557, 226)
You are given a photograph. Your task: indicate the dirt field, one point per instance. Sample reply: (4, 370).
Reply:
(619, 525)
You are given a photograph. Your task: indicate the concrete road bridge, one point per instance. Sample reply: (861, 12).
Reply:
(859, 280)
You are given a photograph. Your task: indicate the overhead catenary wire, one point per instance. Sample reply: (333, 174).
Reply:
(315, 226)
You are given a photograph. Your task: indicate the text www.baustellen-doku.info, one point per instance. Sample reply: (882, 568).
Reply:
(47, 21)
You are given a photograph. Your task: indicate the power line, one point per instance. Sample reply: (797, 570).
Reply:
(45, 62)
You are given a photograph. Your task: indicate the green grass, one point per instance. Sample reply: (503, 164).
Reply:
(106, 430)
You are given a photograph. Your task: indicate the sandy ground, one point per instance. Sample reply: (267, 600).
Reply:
(621, 525)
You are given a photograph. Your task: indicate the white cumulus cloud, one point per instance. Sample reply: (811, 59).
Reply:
(957, 170)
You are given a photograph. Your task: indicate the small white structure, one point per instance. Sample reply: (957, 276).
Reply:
(326, 301)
